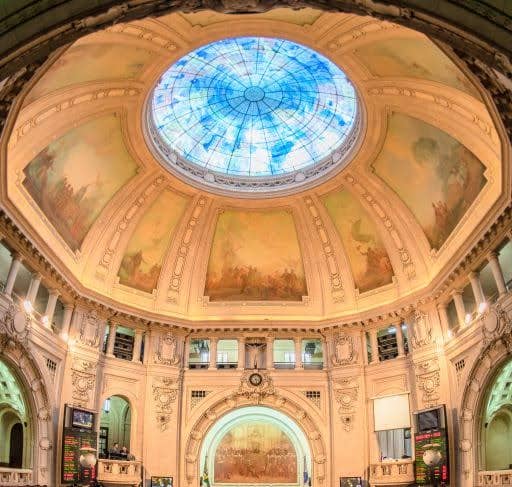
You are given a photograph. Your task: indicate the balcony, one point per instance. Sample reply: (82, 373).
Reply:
(399, 472)
(497, 478)
(284, 365)
(15, 476)
(119, 472)
(198, 365)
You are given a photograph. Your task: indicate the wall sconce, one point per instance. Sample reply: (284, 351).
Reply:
(106, 405)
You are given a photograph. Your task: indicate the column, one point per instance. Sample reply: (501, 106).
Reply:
(443, 318)
(476, 286)
(497, 273)
(241, 353)
(269, 353)
(459, 306)
(66, 320)
(34, 287)
(298, 352)
(137, 343)
(13, 272)
(148, 343)
(50, 306)
(213, 352)
(374, 345)
(186, 352)
(111, 340)
(400, 339)
(324, 353)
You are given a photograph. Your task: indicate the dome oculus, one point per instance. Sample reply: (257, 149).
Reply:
(251, 110)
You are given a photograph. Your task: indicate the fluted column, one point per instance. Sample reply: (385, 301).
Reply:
(111, 339)
(213, 352)
(324, 353)
(241, 353)
(374, 345)
(148, 344)
(186, 352)
(13, 272)
(298, 352)
(137, 343)
(476, 286)
(66, 320)
(443, 317)
(459, 307)
(53, 295)
(34, 287)
(497, 273)
(400, 340)
(269, 353)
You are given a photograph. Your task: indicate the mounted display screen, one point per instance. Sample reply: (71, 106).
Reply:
(161, 482)
(74, 440)
(82, 419)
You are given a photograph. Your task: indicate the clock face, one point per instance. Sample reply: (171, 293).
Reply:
(255, 379)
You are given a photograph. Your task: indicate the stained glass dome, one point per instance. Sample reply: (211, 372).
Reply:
(253, 107)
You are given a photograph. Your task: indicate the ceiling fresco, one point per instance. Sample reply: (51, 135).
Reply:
(82, 174)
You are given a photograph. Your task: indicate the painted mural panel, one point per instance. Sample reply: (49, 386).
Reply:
(436, 176)
(255, 255)
(365, 250)
(144, 255)
(90, 62)
(414, 58)
(255, 453)
(74, 177)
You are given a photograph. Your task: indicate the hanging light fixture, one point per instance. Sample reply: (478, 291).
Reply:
(106, 405)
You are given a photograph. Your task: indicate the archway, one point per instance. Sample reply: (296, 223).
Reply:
(256, 445)
(497, 421)
(115, 425)
(15, 451)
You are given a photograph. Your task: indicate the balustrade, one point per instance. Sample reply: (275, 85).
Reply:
(496, 478)
(15, 476)
(119, 472)
(399, 472)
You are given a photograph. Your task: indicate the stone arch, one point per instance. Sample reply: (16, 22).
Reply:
(497, 330)
(275, 401)
(24, 366)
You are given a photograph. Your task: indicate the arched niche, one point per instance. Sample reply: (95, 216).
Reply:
(116, 416)
(35, 420)
(494, 358)
(317, 468)
(261, 421)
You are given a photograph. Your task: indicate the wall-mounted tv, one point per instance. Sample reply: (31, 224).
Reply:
(351, 482)
(82, 419)
(161, 482)
(430, 419)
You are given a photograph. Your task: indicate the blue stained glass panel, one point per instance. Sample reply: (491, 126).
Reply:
(254, 106)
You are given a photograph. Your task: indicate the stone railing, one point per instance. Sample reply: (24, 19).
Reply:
(15, 476)
(119, 472)
(498, 478)
(392, 473)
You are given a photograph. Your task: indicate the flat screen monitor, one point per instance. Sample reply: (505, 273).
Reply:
(351, 482)
(161, 482)
(429, 420)
(82, 419)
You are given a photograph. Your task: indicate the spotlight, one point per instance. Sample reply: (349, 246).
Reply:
(44, 320)
(482, 307)
(106, 405)
(468, 318)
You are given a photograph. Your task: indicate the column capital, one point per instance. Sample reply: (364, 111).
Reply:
(456, 292)
(17, 256)
(442, 305)
(493, 255)
(54, 292)
(70, 306)
(473, 274)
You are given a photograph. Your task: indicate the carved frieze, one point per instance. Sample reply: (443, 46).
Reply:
(165, 392)
(14, 325)
(428, 381)
(83, 381)
(167, 350)
(344, 350)
(346, 392)
(421, 330)
(89, 332)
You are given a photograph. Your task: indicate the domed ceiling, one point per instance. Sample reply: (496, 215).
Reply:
(423, 172)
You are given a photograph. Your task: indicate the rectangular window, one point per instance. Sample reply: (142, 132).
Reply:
(395, 444)
(391, 412)
(284, 354)
(386, 340)
(198, 394)
(312, 354)
(199, 354)
(489, 287)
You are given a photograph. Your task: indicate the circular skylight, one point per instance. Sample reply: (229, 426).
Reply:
(249, 110)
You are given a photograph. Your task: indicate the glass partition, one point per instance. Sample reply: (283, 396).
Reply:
(199, 354)
(227, 354)
(284, 354)
(312, 353)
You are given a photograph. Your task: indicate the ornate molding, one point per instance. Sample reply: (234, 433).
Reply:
(345, 352)
(346, 392)
(256, 393)
(89, 332)
(428, 381)
(83, 381)
(14, 326)
(421, 335)
(363, 29)
(165, 392)
(337, 290)
(143, 33)
(166, 352)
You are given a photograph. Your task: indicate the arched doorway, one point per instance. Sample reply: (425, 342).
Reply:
(16, 444)
(255, 445)
(115, 425)
(15, 450)
(496, 432)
